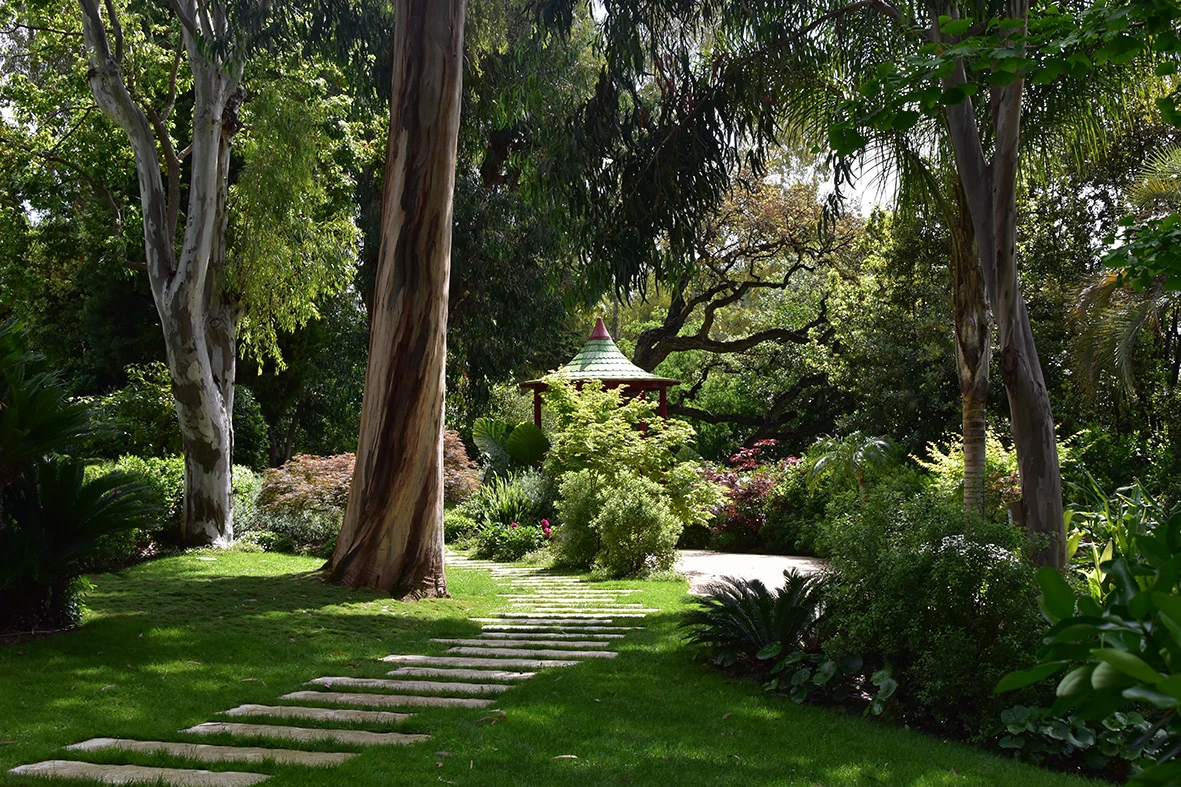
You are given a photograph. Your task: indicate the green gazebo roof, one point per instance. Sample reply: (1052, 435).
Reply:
(600, 359)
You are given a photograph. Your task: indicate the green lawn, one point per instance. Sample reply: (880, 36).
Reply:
(167, 644)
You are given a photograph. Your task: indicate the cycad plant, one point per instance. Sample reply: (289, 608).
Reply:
(740, 617)
(51, 516)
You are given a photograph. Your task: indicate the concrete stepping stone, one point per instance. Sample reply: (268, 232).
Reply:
(208, 753)
(412, 686)
(462, 674)
(498, 624)
(547, 609)
(356, 698)
(540, 653)
(599, 615)
(527, 643)
(457, 661)
(550, 635)
(319, 714)
(137, 774)
(305, 734)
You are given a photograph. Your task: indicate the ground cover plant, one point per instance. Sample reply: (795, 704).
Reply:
(166, 644)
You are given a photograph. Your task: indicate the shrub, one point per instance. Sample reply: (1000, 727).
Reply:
(637, 530)
(509, 511)
(794, 512)
(318, 483)
(461, 476)
(741, 514)
(458, 526)
(576, 541)
(946, 602)
(307, 532)
(596, 429)
(1120, 652)
(512, 541)
(138, 419)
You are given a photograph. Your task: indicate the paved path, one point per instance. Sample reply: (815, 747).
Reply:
(702, 566)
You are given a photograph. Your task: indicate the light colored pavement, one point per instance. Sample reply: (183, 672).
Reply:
(702, 566)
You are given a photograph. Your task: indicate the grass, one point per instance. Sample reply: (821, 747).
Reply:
(167, 644)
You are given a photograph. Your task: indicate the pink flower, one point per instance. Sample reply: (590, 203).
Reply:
(514, 524)
(545, 524)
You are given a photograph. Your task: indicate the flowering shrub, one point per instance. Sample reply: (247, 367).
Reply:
(512, 541)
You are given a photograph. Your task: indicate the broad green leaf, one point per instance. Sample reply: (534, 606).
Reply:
(1078, 679)
(1027, 677)
(955, 27)
(1127, 663)
(1145, 694)
(1057, 600)
(769, 651)
(526, 445)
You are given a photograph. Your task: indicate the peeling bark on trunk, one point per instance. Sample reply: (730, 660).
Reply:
(392, 536)
(198, 319)
(973, 353)
(990, 189)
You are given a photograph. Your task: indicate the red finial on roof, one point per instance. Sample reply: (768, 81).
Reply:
(600, 331)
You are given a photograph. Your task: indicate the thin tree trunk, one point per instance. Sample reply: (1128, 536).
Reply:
(392, 536)
(973, 351)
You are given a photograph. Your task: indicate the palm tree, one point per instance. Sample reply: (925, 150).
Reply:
(846, 459)
(1112, 315)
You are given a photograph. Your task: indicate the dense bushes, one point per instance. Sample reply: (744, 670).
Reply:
(52, 516)
(625, 492)
(949, 603)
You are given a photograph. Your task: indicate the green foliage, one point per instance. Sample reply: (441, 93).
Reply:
(510, 513)
(250, 430)
(840, 461)
(36, 419)
(1121, 739)
(794, 511)
(458, 526)
(741, 621)
(292, 235)
(945, 601)
(1103, 527)
(52, 518)
(138, 419)
(579, 500)
(596, 428)
(637, 529)
(1125, 651)
(505, 448)
(163, 481)
(510, 541)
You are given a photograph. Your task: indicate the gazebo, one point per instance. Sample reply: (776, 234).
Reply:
(599, 359)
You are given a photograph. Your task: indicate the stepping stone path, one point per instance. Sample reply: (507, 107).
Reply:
(553, 621)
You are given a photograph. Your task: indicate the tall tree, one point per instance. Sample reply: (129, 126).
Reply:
(142, 66)
(392, 536)
(668, 152)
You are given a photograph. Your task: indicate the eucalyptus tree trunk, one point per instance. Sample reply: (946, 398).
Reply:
(198, 319)
(991, 193)
(392, 536)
